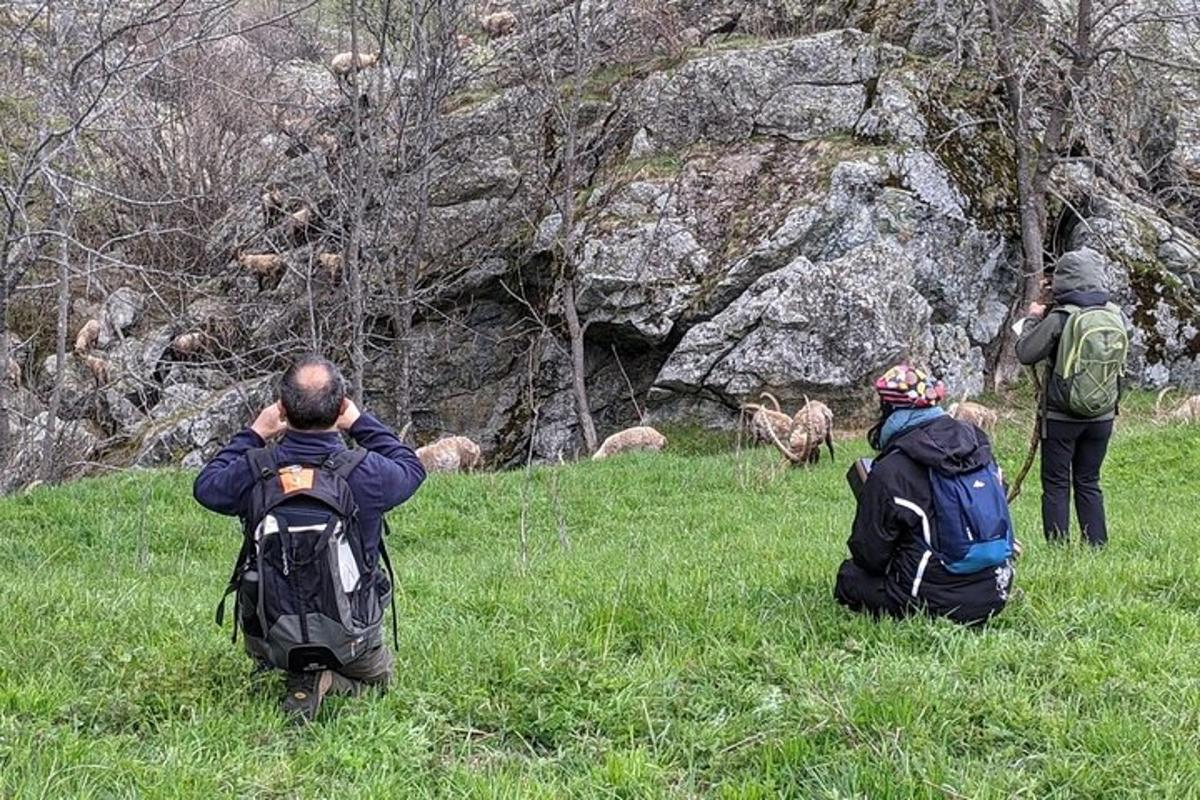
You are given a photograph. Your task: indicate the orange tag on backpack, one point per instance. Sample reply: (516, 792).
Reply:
(296, 479)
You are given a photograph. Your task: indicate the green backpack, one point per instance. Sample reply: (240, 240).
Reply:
(1091, 359)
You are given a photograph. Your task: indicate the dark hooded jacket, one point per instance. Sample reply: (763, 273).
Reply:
(1079, 280)
(897, 503)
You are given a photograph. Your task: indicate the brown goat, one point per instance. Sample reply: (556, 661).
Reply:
(812, 425)
(498, 24)
(85, 340)
(188, 344)
(268, 267)
(976, 414)
(452, 454)
(764, 419)
(331, 263)
(98, 367)
(345, 64)
(273, 201)
(642, 437)
(1188, 411)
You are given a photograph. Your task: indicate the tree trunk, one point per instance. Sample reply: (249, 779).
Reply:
(578, 368)
(5, 355)
(49, 450)
(568, 235)
(350, 258)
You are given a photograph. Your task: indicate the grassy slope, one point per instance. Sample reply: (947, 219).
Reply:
(686, 644)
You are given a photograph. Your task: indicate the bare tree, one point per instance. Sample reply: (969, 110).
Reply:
(79, 77)
(1057, 69)
(560, 88)
(1036, 157)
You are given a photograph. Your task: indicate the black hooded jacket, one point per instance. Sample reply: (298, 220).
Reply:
(897, 503)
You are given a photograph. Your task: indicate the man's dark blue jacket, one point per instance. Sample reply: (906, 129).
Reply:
(389, 475)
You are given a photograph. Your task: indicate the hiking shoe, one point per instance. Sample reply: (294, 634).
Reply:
(305, 691)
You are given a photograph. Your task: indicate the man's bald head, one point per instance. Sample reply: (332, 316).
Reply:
(311, 392)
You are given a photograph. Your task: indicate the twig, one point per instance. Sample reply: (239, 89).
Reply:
(628, 383)
(1035, 441)
(564, 540)
(525, 486)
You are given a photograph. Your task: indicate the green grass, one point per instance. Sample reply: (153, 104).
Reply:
(685, 645)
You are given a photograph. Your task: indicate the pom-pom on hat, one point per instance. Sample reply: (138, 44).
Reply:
(905, 386)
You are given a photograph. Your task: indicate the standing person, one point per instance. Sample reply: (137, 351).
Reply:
(932, 531)
(309, 589)
(1084, 343)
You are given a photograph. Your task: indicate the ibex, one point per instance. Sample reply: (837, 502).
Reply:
(812, 425)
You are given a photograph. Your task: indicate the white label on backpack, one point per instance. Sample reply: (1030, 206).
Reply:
(347, 566)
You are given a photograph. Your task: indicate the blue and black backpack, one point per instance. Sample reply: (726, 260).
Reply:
(974, 528)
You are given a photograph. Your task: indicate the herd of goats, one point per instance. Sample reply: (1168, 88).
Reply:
(798, 437)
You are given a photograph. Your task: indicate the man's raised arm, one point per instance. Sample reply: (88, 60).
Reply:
(400, 471)
(222, 485)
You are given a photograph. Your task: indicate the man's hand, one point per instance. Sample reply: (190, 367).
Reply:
(349, 415)
(270, 423)
(1037, 310)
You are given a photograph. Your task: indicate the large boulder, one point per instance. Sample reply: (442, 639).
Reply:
(641, 277)
(121, 311)
(1154, 271)
(890, 217)
(192, 423)
(73, 442)
(80, 385)
(817, 329)
(802, 89)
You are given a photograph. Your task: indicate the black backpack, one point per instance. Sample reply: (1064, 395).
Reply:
(303, 596)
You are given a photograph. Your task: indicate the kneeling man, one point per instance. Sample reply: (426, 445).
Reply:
(309, 588)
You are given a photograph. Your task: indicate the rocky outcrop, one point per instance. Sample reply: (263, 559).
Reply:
(1154, 271)
(72, 444)
(785, 214)
(777, 334)
(189, 424)
(804, 89)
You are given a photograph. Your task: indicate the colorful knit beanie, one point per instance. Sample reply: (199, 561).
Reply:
(905, 386)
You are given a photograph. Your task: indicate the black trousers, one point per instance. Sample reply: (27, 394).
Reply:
(859, 590)
(1072, 454)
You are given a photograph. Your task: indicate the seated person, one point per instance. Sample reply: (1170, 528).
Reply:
(932, 531)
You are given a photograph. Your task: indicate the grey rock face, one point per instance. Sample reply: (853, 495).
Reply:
(79, 386)
(189, 419)
(807, 328)
(642, 278)
(74, 442)
(810, 87)
(865, 238)
(1154, 278)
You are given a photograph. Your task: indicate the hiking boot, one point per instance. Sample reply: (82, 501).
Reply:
(305, 691)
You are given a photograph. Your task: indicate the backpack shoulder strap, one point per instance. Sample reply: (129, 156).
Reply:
(262, 461)
(263, 467)
(386, 531)
(343, 462)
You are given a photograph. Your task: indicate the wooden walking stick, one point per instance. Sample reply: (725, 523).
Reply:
(1034, 442)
